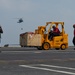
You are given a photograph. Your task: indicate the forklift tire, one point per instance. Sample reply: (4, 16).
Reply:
(63, 47)
(46, 46)
(57, 48)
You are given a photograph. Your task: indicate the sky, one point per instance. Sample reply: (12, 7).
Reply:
(34, 14)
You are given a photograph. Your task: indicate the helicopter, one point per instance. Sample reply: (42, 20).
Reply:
(20, 20)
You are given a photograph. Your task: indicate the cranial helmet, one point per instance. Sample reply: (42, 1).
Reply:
(53, 26)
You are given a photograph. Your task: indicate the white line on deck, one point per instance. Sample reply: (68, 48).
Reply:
(57, 66)
(46, 69)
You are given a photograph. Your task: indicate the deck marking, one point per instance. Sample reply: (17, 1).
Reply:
(57, 66)
(46, 69)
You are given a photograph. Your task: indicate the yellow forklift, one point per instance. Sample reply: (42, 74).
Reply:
(58, 42)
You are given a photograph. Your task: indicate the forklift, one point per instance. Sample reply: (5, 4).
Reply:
(58, 42)
(40, 37)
